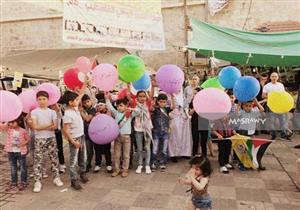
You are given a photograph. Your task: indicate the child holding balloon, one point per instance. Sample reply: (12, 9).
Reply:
(73, 128)
(143, 129)
(16, 146)
(122, 143)
(248, 116)
(161, 121)
(87, 113)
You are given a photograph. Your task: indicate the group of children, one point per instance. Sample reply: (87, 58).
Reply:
(144, 121)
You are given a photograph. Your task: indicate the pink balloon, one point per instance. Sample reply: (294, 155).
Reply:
(169, 78)
(52, 90)
(105, 76)
(212, 103)
(10, 106)
(28, 99)
(83, 64)
(103, 129)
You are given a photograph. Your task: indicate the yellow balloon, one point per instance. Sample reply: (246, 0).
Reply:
(280, 102)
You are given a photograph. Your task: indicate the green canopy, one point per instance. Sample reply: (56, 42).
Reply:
(243, 47)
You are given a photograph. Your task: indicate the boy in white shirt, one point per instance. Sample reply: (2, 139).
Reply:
(44, 122)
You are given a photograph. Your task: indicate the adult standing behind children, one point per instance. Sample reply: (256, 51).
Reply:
(189, 90)
(274, 85)
(44, 122)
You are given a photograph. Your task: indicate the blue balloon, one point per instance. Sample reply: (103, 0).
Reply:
(228, 76)
(143, 83)
(246, 88)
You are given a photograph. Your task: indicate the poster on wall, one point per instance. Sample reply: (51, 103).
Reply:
(18, 78)
(130, 24)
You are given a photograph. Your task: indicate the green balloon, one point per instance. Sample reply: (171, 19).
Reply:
(212, 83)
(131, 68)
(121, 79)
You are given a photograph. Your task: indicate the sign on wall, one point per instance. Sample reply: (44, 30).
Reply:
(130, 24)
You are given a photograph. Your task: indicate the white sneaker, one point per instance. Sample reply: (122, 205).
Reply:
(37, 187)
(63, 166)
(58, 182)
(108, 168)
(148, 170)
(139, 169)
(229, 166)
(97, 168)
(224, 170)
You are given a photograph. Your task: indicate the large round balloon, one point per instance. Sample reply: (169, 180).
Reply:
(105, 76)
(212, 83)
(52, 90)
(71, 79)
(103, 129)
(28, 99)
(246, 88)
(143, 83)
(83, 64)
(10, 106)
(212, 103)
(280, 102)
(131, 68)
(228, 76)
(169, 78)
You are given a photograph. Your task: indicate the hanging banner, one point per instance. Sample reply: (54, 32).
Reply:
(18, 78)
(130, 24)
(215, 6)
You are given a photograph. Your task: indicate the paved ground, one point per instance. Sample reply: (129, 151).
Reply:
(273, 189)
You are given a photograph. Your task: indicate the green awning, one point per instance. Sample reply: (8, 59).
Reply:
(243, 47)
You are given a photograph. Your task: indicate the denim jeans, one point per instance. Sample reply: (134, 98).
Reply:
(14, 158)
(202, 202)
(282, 123)
(160, 138)
(77, 156)
(89, 150)
(139, 136)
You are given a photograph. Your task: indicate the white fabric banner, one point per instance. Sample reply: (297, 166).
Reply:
(215, 6)
(126, 24)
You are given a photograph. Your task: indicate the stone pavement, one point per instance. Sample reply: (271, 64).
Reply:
(273, 189)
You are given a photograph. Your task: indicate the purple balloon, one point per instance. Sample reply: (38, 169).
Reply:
(10, 106)
(103, 129)
(170, 78)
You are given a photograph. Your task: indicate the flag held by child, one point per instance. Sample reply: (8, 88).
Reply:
(249, 150)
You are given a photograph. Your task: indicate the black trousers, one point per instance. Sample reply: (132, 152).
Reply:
(60, 148)
(199, 137)
(224, 151)
(103, 150)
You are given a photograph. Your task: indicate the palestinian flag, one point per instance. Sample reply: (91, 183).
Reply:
(249, 150)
